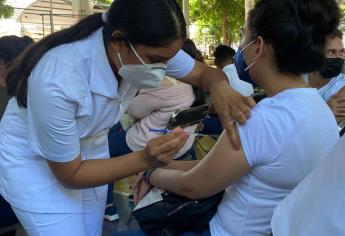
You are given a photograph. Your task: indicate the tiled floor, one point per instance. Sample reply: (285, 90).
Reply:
(126, 225)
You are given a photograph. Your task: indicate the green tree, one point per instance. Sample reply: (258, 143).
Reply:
(223, 18)
(6, 11)
(104, 1)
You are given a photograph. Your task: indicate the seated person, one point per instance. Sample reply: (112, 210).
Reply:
(289, 133)
(224, 60)
(315, 206)
(10, 48)
(152, 108)
(329, 80)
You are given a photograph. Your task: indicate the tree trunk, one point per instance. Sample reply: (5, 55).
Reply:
(249, 5)
(225, 28)
(186, 14)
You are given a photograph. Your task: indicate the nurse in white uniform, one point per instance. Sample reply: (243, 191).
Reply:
(69, 89)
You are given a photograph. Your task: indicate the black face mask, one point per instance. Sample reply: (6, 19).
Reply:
(332, 68)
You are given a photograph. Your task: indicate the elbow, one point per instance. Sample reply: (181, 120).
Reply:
(191, 191)
(69, 183)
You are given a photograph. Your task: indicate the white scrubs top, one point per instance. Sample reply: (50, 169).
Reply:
(73, 100)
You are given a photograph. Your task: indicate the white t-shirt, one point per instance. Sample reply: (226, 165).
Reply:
(246, 89)
(316, 206)
(332, 87)
(73, 100)
(285, 138)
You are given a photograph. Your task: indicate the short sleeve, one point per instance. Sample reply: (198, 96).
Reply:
(180, 65)
(51, 117)
(261, 137)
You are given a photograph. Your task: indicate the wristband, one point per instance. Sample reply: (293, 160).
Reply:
(146, 176)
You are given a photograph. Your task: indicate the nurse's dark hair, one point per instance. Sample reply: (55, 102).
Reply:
(297, 31)
(146, 22)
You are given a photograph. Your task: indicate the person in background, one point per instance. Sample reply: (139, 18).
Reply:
(10, 48)
(152, 109)
(329, 80)
(289, 133)
(224, 60)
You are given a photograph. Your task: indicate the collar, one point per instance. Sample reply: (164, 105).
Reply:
(229, 67)
(102, 78)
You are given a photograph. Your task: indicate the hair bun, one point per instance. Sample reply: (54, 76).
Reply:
(322, 16)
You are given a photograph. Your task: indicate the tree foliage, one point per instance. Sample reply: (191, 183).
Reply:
(6, 11)
(223, 18)
(103, 1)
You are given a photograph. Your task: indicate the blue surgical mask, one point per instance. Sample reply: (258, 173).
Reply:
(241, 65)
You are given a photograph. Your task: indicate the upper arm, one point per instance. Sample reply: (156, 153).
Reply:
(52, 123)
(180, 65)
(221, 167)
(194, 77)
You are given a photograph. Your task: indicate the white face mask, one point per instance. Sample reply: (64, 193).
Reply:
(142, 76)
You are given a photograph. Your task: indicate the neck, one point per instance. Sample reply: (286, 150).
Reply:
(225, 64)
(316, 80)
(112, 59)
(274, 83)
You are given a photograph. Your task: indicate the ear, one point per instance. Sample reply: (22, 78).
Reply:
(117, 41)
(261, 47)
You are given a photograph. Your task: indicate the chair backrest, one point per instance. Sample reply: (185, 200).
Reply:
(341, 127)
(189, 116)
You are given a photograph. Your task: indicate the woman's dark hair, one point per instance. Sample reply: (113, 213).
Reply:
(146, 22)
(11, 46)
(190, 48)
(297, 31)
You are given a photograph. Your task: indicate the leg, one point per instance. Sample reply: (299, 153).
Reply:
(117, 147)
(93, 215)
(41, 224)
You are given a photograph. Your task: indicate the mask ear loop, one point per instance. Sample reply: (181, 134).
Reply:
(253, 63)
(120, 59)
(136, 54)
(244, 48)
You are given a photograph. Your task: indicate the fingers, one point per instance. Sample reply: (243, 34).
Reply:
(250, 102)
(165, 144)
(339, 112)
(233, 135)
(138, 180)
(161, 150)
(136, 191)
(167, 137)
(229, 126)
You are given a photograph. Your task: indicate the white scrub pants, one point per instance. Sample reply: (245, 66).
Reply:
(88, 223)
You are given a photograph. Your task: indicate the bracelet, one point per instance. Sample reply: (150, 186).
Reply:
(147, 175)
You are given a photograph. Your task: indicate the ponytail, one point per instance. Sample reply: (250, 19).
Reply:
(147, 22)
(20, 70)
